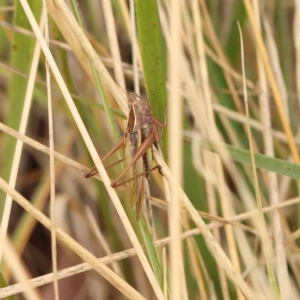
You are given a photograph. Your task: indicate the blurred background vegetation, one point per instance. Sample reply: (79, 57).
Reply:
(217, 176)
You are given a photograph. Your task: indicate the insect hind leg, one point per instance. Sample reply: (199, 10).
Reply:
(114, 185)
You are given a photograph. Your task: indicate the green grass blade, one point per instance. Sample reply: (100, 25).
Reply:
(153, 53)
(3, 284)
(152, 49)
(21, 57)
(279, 166)
(99, 84)
(157, 268)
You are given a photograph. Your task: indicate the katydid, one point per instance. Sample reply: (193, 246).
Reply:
(141, 133)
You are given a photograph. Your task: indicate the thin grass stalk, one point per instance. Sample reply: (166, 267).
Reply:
(83, 49)
(119, 283)
(102, 241)
(128, 20)
(19, 272)
(276, 67)
(134, 49)
(281, 262)
(19, 145)
(145, 232)
(3, 284)
(39, 199)
(272, 82)
(52, 162)
(94, 154)
(297, 56)
(239, 183)
(155, 263)
(214, 159)
(227, 210)
(194, 251)
(113, 43)
(64, 273)
(212, 36)
(175, 148)
(265, 241)
(99, 84)
(264, 162)
(214, 247)
(45, 149)
(297, 46)
(257, 125)
(20, 57)
(153, 54)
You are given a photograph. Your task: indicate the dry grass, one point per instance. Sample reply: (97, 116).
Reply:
(247, 247)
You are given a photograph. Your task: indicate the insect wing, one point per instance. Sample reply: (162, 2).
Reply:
(136, 186)
(148, 156)
(140, 203)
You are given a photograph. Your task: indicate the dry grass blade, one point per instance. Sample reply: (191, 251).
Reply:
(113, 42)
(119, 283)
(272, 82)
(213, 245)
(52, 162)
(282, 271)
(82, 48)
(17, 288)
(19, 272)
(175, 148)
(204, 236)
(94, 153)
(263, 227)
(19, 146)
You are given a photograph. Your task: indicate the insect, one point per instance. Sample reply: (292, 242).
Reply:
(141, 133)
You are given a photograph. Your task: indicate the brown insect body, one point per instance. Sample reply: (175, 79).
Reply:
(133, 139)
(143, 122)
(141, 109)
(141, 133)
